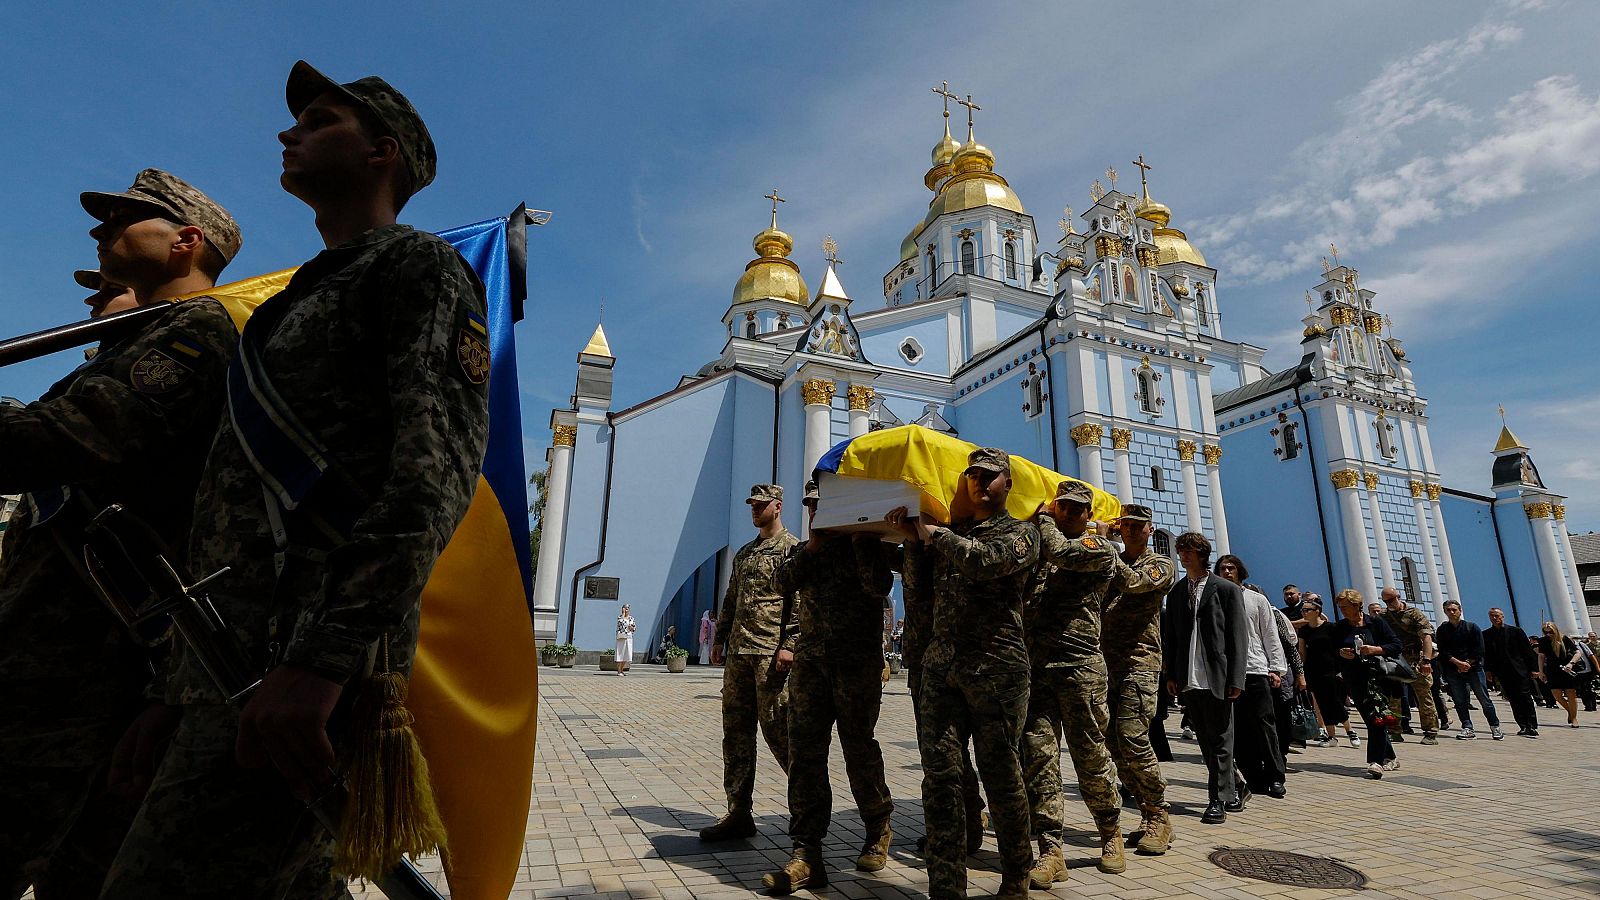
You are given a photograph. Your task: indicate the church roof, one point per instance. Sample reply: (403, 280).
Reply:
(1585, 549)
(598, 346)
(1265, 387)
(831, 288)
(1508, 441)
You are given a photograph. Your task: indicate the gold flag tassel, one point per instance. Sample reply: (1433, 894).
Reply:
(391, 809)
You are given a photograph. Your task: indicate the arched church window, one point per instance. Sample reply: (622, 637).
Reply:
(1327, 296)
(969, 258)
(1147, 390)
(1158, 479)
(1202, 309)
(1385, 432)
(750, 328)
(1286, 438)
(1011, 259)
(1411, 578)
(1162, 542)
(1033, 392)
(911, 350)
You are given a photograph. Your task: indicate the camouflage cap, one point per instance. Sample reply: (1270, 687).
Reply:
(89, 278)
(761, 493)
(1133, 512)
(1076, 491)
(991, 458)
(390, 107)
(812, 494)
(170, 197)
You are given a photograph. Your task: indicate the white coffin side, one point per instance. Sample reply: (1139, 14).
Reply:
(859, 504)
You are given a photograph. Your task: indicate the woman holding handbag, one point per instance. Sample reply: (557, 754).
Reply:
(1560, 664)
(1320, 651)
(1361, 640)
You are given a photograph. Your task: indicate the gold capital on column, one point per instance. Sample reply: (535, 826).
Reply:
(1121, 438)
(817, 392)
(1538, 510)
(1417, 489)
(1346, 478)
(860, 396)
(1559, 511)
(1371, 479)
(1433, 492)
(1213, 453)
(565, 435)
(1374, 324)
(1186, 450)
(1087, 434)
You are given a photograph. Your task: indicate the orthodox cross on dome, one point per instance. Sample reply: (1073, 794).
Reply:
(775, 201)
(1066, 222)
(830, 250)
(943, 90)
(1111, 176)
(1334, 251)
(971, 108)
(1096, 190)
(1144, 170)
(1502, 414)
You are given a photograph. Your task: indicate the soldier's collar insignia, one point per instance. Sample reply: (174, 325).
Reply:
(472, 349)
(157, 372)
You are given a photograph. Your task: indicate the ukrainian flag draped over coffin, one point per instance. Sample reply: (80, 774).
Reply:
(474, 685)
(932, 462)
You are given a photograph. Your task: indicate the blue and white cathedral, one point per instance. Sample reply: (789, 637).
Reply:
(1102, 356)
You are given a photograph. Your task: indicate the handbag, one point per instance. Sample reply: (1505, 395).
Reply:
(1584, 664)
(1303, 723)
(1393, 668)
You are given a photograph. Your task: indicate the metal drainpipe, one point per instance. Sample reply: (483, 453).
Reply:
(1050, 399)
(1316, 488)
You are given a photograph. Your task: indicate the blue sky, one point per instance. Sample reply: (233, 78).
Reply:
(1450, 150)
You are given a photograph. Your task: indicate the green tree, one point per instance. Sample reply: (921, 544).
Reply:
(538, 482)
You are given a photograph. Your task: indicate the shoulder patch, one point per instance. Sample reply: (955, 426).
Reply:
(1091, 543)
(1155, 573)
(157, 371)
(472, 349)
(1021, 546)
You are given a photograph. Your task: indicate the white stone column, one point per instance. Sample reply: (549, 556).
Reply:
(1191, 488)
(1219, 517)
(1580, 605)
(1419, 506)
(1448, 576)
(1120, 439)
(860, 409)
(1379, 537)
(818, 396)
(1555, 581)
(1347, 482)
(547, 576)
(1087, 437)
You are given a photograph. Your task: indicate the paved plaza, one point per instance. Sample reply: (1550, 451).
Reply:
(630, 768)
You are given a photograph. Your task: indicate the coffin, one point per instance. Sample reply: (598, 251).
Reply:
(859, 504)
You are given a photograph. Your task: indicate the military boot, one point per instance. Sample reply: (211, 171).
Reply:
(977, 822)
(1155, 833)
(1049, 868)
(1013, 887)
(731, 827)
(1111, 859)
(875, 852)
(803, 870)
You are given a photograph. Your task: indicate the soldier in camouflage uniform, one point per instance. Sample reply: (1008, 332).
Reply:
(1068, 689)
(975, 678)
(840, 583)
(373, 348)
(1130, 636)
(755, 641)
(130, 426)
(1416, 645)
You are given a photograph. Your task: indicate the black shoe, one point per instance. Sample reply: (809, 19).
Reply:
(1406, 728)
(1277, 791)
(1531, 732)
(1238, 805)
(1214, 814)
(1397, 737)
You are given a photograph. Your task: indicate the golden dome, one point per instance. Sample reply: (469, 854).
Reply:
(1158, 213)
(1314, 330)
(908, 247)
(772, 275)
(946, 148)
(972, 157)
(1172, 246)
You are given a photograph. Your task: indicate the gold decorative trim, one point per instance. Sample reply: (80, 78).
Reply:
(1374, 324)
(1106, 246)
(1559, 511)
(1121, 438)
(860, 396)
(565, 436)
(1147, 257)
(1342, 316)
(1417, 489)
(1371, 480)
(1433, 492)
(1538, 510)
(1213, 453)
(817, 392)
(1346, 478)
(1088, 435)
(1186, 450)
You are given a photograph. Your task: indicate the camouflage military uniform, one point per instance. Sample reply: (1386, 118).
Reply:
(756, 618)
(975, 682)
(1412, 625)
(70, 678)
(837, 659)
(1068, 690)
(1130, 635)
(369, 354)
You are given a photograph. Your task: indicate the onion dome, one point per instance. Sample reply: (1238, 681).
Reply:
(772, 275)
(1147, 208)
(1173, 246)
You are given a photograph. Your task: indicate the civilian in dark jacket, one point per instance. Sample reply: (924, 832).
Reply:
(1509, 657)
(1358, 638)
(1203, 641)
(1459, 646)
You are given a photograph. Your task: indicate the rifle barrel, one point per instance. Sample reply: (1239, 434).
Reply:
(76, 334)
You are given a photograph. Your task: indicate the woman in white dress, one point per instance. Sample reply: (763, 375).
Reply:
(708, 633)
(625, 629)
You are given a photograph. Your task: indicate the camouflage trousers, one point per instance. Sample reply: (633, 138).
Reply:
(1132, 699)
(990, 708)
(209, 829)
(1422, 689)
(754, 694)
(821, 694)
(971, 795)
(59, 830)
(1070, 703)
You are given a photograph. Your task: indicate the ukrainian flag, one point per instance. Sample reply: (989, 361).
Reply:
(474, 685)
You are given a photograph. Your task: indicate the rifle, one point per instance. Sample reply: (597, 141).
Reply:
(44, 343)
(129, 567)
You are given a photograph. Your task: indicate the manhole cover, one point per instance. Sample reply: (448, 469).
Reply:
(1292, 869)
